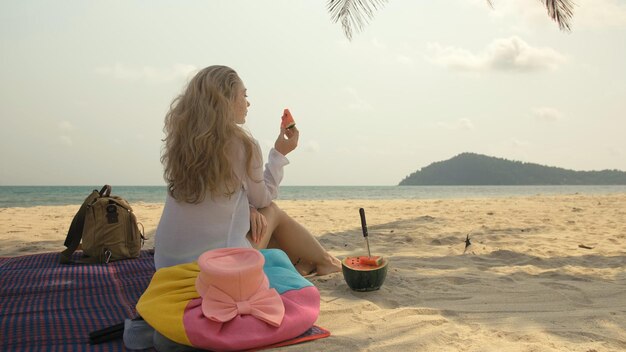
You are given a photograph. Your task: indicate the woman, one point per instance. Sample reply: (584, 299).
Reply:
(218, 193)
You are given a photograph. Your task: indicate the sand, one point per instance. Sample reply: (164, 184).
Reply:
(544, 273)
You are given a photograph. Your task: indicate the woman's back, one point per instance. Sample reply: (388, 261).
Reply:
(187, 230)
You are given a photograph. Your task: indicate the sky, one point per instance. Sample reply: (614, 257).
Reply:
(85, 85)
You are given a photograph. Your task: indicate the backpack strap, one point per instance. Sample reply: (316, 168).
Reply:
(75, 233)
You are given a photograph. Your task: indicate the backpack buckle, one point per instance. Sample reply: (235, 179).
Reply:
(111, 213)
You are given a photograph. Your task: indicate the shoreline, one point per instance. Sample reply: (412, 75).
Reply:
(526, 285)
(29, 196)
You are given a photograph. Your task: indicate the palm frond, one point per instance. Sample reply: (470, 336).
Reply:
(561, 11)
(353, 14)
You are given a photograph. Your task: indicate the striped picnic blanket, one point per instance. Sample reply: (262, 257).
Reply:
(48, 306)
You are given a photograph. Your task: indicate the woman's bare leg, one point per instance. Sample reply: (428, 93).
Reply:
(300, 245)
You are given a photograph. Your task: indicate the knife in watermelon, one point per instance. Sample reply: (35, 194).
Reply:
(369, 260)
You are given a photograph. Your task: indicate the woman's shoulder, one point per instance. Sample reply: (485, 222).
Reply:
(242, 141)
(240, 147)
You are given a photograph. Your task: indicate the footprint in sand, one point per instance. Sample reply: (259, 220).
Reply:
(455, 280)
(570, 292)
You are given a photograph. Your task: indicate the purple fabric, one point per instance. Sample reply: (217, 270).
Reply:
(48, 306)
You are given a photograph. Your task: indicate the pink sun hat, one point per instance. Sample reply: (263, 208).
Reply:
(232, 282)
(231, 300)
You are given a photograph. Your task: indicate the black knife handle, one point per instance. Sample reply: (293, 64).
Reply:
(363, 224)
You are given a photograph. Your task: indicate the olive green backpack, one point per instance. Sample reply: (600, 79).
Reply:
(107, 227)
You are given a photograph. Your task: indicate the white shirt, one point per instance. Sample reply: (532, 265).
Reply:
(187, 230)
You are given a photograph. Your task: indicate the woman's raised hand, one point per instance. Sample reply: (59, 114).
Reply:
(287, 140)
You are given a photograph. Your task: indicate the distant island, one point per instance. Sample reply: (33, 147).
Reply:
(477, 169)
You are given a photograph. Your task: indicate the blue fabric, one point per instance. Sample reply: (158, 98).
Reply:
(281, 274)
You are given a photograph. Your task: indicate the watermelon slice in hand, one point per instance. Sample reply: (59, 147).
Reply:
(287, 120)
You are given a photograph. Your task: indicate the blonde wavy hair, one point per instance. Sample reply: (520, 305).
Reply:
(200, 131)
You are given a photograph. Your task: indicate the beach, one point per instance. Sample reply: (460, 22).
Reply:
(543, 273)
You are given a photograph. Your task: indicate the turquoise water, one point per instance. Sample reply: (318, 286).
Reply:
(27, 196)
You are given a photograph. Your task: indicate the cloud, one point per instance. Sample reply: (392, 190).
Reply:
(508, 54)
(516, 143)
(547, 114)
(392, 54)
(614, 152)
(66, 140)
(518, 15)
(460, 124)
(404, 59)
(66, 126)
(599, 14)
(378, 44)
(147, 73)
(312, 146)
(357, 102)
(528, 15)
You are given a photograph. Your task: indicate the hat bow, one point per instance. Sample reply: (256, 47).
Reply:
(265, 305)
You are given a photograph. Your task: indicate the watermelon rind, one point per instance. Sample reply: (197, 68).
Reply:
(365, 277)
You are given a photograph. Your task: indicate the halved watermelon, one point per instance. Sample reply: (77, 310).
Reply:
(287, 120)
(364, 262)
(362, 275)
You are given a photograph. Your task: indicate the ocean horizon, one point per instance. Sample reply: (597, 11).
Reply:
(29, 196)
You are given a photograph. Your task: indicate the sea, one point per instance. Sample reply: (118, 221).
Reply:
(29, 196)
